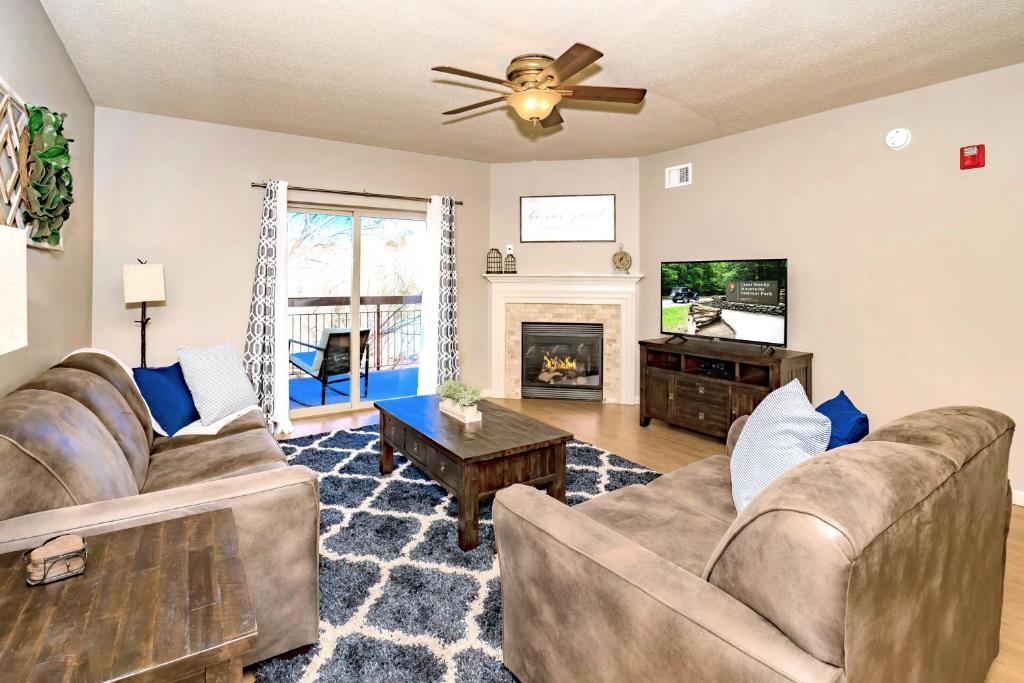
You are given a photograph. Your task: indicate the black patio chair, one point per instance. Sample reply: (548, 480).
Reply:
(333, 360)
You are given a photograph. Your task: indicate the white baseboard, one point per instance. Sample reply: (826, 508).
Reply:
(1018, 497)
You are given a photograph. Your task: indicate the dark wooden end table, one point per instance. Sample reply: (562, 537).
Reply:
(473, 461)
(161, 602)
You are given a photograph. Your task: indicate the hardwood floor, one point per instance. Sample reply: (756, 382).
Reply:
(615, 428)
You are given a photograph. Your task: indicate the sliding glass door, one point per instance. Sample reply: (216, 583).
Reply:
(355, 294)
(391, 298)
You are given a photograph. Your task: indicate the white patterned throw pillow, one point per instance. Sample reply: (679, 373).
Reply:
(216, 377)
(782, 432)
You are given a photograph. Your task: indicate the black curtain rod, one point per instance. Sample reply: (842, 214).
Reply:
(354, 194)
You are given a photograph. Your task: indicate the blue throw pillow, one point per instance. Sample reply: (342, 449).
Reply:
(782, 432)
(849, 425)
(167, 396)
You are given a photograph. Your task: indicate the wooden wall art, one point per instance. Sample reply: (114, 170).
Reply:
(13, 121)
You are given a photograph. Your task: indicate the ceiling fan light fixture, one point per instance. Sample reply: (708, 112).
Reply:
(534, 105)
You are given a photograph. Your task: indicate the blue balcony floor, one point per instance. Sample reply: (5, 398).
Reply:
(383, 384)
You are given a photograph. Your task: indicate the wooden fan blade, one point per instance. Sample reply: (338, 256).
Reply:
(552, 119)
(469, 74)
(474, 106)
(599, 93)
(571, 62)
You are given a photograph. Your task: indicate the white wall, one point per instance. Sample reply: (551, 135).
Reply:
(511, 181)
(34, 64)
(904, 270)
(902, 267)
(177, 192)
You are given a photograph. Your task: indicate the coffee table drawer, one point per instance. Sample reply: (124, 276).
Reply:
(429, 459)
(394, 433)
(443, 469)
(416, 449)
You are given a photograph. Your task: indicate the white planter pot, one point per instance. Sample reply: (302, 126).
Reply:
(465, 414)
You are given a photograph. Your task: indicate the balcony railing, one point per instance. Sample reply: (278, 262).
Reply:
(395, 324)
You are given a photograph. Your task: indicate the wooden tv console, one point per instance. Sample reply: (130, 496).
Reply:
(705, 385)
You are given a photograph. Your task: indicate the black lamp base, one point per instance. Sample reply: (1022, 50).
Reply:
(143, 321)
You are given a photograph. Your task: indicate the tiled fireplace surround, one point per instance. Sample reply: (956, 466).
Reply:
(606, 299)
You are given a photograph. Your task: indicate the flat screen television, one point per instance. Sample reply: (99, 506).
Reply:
(741, 301)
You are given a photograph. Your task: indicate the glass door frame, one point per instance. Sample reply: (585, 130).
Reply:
(356, 401)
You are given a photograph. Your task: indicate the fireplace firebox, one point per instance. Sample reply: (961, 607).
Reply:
(563, 360)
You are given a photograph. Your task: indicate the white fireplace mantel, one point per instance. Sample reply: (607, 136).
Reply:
(615, 289)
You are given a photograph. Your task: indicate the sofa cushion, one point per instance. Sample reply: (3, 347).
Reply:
(109, 406)
(783, 431)
(651, 517)
(74, 458)
(216, 377)
(112, 370)
(849, 424)
(223, 456)
(705, 486)
(957, 432)
(243, 423)
(167, 396)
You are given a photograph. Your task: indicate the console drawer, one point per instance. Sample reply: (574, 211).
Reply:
(710, 419)
(702, 391)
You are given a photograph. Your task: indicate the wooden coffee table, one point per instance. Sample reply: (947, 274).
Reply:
(161, 602)
(473, 461)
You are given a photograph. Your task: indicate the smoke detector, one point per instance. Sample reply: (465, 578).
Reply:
(897, 138)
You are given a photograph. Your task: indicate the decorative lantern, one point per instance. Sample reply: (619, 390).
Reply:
(510, 264)
(494, 261)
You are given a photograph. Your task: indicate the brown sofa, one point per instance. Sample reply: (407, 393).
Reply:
(78, 455)
(878, 561)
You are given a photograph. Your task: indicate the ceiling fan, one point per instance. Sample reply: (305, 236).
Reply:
(538, 84)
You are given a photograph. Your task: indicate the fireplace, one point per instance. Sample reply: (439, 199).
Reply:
(563, 360)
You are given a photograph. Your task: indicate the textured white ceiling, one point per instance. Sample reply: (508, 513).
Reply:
(360, 71)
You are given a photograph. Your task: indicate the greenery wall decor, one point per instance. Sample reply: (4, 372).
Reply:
(46, 160)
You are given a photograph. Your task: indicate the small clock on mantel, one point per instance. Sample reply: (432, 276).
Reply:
(621, 260)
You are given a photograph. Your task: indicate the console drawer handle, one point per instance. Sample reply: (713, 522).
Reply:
(700, 416)
(700, 389)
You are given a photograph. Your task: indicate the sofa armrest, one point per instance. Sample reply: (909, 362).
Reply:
(277, 518)
(582, 602)
(734, 433)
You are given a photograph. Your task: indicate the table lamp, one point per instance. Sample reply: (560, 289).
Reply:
(143, 283)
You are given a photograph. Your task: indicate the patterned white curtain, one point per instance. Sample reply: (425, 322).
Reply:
(266, 338)
(439, 360)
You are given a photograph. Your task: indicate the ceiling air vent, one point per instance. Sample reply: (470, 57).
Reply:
(677, 176)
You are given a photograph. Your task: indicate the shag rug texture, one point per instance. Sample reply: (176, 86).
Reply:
(399, 601)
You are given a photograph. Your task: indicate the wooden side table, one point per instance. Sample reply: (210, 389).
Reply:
(162, 602)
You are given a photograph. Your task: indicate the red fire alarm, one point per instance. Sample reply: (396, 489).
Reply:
(972, 156)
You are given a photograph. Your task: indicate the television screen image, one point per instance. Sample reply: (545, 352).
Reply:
(738, 300)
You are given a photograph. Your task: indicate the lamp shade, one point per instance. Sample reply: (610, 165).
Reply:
(534, 105)
(13, 290)
(143, 282)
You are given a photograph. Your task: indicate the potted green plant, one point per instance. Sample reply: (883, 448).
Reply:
(459, 401)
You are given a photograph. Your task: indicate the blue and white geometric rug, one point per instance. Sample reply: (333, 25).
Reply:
(399, 601)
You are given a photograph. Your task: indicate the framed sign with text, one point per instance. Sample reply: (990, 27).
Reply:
(567, 218)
